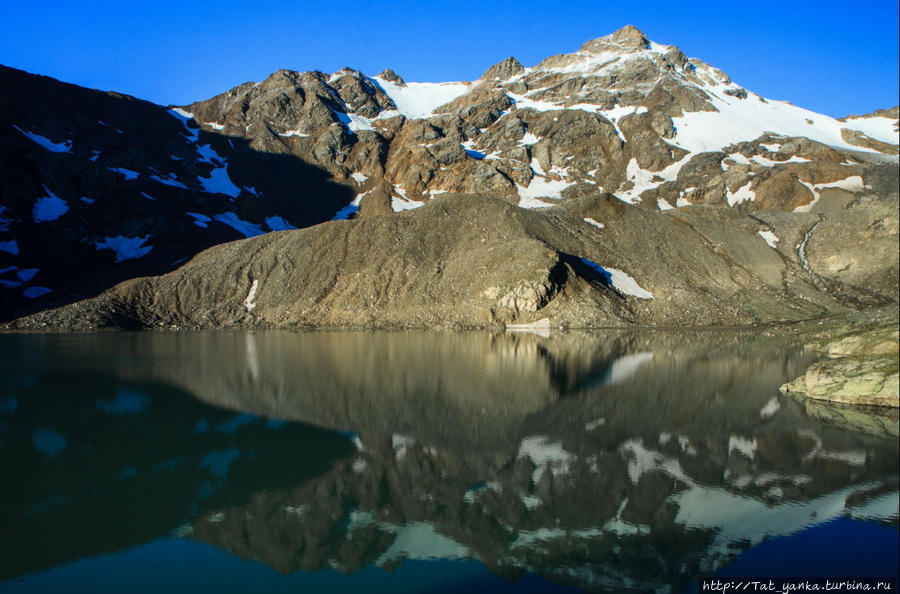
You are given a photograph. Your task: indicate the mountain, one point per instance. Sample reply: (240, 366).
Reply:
(659, 191)
(99, 187)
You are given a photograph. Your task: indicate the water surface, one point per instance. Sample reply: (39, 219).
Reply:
(411, 462)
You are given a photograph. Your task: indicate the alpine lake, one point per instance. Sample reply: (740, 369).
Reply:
(430, 462)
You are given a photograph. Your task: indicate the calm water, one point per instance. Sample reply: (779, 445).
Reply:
(412, 462)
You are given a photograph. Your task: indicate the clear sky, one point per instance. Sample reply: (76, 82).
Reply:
(833, 57)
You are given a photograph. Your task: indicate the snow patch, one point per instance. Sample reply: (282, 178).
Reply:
(169, 181)
(402, 202)
(643, 180)
(126, 248)
(771, 407)
(877, 128)
(738, 120)
(770, 163)
(346, 212)
(358, 122)
(541, 187)
(250, 301)
(619, 111)
(201, 220)
(529, 139)
(546, 455)
(128, 174)
(277, 223)
(359, 178)
(594, 424)
(53, 147)
(35, 292)
(643, 460)
(625, 367)
(743, 194)
(882, 508)
(10, 247)
(770, 238)
(591, 221)
(744, 445)
(523, 102)
(854, 183)
(620, 281)
(218, 181)
(737, 158)
(420, 540)
(400, 444)
(243, 227)
(419, 100)
(181, 114)
(736, 518)
(49, 207)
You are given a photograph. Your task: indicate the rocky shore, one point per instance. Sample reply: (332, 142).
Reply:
(858, 359)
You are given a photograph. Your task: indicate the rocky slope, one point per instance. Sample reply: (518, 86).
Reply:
(704, 175)
(98, 187)
(472, 261)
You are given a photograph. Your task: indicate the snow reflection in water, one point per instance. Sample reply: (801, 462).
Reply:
(613, 462)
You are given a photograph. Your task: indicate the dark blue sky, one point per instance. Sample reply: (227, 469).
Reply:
(832, 57)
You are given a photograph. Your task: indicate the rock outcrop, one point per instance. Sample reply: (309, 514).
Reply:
(859, 360)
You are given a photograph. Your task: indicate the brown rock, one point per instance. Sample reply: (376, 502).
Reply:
(377, 201)
(857, 138)
(391, 76)
(504, 69)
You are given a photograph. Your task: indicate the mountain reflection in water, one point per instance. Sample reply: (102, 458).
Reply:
(608, 462)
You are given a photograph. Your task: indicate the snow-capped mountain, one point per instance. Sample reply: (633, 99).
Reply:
(622, 114)
(98, 187)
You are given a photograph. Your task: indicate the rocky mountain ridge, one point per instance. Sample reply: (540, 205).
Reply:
(132, 189)
(622, 114)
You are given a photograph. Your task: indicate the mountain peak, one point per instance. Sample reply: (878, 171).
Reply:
(628, 37)
(504, 69)
(391, 76)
